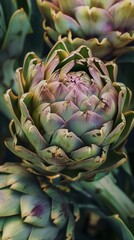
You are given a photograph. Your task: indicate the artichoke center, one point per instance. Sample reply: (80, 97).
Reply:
(77, 78)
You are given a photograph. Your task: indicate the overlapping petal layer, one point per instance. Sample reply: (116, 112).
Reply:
(106, 27)
(70, 117)
(30, 208)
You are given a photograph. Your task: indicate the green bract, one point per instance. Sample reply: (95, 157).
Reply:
(14, 27)
(13, 18)
(31, 209)
(106, 27)
(70, 117)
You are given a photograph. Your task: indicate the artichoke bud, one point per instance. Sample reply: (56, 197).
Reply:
(103, 26)
(31, 208)
(73, 116)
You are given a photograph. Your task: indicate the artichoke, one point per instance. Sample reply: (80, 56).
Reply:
(30, 209)
(107, 27)
(70, 117)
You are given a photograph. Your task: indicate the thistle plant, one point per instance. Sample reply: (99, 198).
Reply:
(106, 27)
(31, 209)
(70, 116)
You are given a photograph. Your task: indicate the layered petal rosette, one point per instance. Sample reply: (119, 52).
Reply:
(107, 27)
(31, 209)
(70, 117)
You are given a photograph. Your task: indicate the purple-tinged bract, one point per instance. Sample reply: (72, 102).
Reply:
(70, 117)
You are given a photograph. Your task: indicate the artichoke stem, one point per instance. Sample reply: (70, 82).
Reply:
(110, 198)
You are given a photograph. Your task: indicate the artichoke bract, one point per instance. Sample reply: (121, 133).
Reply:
(31, 209)
(70, 117)
(14, 15)
(107, 27)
